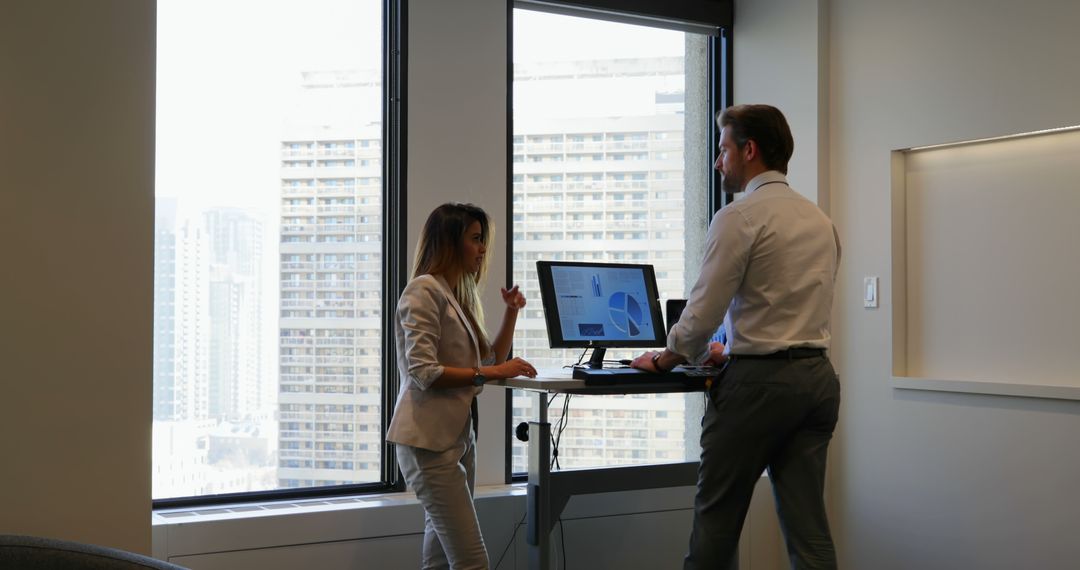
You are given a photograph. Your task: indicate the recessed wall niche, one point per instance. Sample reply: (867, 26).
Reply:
(986, 265)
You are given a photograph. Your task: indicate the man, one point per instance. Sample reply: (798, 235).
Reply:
(769, 273)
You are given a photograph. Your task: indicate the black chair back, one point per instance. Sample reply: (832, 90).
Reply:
(37, 553)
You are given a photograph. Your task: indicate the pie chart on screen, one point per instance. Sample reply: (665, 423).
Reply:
(625, 313)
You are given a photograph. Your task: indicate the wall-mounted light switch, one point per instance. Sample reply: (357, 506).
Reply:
(870, 292)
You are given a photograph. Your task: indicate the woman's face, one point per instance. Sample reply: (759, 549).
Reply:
(473, 248)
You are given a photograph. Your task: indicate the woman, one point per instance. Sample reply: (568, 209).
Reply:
(445, 358)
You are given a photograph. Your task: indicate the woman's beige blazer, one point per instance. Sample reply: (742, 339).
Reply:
(432, 333)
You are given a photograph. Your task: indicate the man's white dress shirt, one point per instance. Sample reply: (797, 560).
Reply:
(770, 267)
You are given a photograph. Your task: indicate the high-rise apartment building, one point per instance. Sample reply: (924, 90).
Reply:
(330, 327)
(165, 310)
(191, 323)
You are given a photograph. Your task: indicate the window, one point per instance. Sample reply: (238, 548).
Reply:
(267, 331)
(617, 94)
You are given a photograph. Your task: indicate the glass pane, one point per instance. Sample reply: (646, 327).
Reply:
(610, 164)
(268, 257)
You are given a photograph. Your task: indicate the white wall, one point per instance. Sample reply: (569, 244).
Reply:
(77, 211)
(781, 59)
(923, 479)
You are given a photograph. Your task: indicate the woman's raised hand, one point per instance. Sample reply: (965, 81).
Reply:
(514, 367)
(513, 297)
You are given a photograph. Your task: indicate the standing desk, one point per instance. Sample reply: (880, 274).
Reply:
(549, 492)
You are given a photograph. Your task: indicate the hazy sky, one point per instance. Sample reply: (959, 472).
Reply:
(540, 36)
(229, 74)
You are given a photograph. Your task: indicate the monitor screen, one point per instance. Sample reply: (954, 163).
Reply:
(607, 305)
(673, 310)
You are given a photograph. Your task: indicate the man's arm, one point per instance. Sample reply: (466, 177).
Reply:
(727, 253)
(727, 250)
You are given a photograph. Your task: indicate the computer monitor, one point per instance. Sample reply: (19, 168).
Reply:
(600, 305)
(673, 310)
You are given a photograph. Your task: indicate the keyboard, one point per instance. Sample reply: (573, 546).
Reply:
(681, 374)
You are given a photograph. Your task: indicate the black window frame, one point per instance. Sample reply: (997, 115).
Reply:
(395, 265)
(710, 17)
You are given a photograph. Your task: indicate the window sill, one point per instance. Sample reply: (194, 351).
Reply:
(329, 504)
(994, 388)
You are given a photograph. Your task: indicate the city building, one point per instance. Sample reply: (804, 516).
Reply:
(234, 377)
(330, 327)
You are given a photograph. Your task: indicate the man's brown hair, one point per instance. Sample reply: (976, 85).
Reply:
(767, 127)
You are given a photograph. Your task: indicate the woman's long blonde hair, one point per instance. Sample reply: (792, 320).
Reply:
(440, 251)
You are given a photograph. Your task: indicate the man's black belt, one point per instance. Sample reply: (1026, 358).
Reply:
(788, 354)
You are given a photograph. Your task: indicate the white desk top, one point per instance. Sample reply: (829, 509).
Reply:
(547, 380)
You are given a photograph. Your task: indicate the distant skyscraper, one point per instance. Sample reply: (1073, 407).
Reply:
(191, 323)
(209, 433)
(165, 310)
(235, 297)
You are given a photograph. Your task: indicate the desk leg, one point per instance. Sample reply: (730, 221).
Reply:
(538, 503)
(542, 406)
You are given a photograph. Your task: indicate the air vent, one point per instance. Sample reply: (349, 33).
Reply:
(262, 507)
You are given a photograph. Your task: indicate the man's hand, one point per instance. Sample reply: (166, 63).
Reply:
(716, 354)
(654, 361)
(645, 362)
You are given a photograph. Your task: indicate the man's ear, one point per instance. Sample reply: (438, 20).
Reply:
(751, 150)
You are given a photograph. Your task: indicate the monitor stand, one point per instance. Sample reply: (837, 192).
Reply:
(597, 358)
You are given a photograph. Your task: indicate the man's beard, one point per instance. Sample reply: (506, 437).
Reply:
(730, 184)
